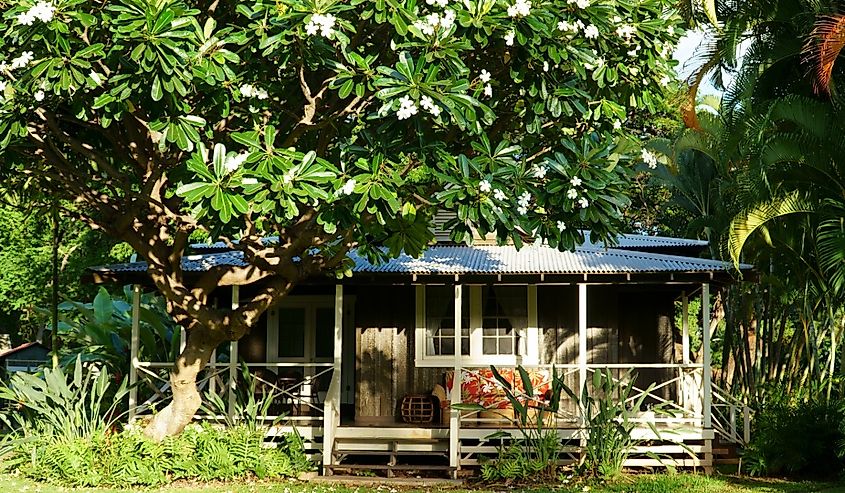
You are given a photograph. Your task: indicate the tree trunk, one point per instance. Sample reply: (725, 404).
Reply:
(187, 399)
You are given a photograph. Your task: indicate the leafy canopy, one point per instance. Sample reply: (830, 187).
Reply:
(361, 112)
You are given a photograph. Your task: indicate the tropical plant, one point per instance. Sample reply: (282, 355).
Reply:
(330, 125)
(254, 402)
(100, 332)
(607, 410)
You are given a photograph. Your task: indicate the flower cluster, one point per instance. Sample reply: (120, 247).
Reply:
(626, 31)
(250, 91)
(498, 194)
(572, 27)
(591, 32)
(521, 8)
(581, 4)
(324, 23)
(509, 37)
(429, 105)
(43, 11)
(20, 61)
(649, 158)
(407, 108)
(523, 202)
(429, 24)
(572, 193)
(348, 187)
(539, 171)
(232, 163)
(484, 77)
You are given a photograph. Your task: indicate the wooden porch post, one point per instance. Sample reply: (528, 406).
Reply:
(134, 346)
(233, 357)
(706, 387)
(331, 413)
(454, 416)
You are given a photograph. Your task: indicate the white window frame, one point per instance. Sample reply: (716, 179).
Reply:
(310, 304)
(527, 351)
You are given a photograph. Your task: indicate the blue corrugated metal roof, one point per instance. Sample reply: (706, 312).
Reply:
(456, 259)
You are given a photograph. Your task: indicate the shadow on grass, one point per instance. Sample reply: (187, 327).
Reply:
(774, 485)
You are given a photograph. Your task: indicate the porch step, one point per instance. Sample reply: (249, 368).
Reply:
(389, 452)
(397, 467)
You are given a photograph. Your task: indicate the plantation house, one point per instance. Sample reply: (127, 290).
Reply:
(365, 367)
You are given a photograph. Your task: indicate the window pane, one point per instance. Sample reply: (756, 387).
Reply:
(504, 313)
(440, 321)
(291, 333)
(324, 346)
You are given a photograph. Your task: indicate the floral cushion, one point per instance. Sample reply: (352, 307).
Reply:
(481, 387)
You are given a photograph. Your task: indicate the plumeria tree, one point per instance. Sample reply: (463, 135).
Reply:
(327, 124)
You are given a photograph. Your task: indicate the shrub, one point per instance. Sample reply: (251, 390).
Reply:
(797, 438)
(62, 433)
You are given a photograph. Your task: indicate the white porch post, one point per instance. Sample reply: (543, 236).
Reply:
(331, 407)
(582, 358)
(706, 387)
(233, 357)
(134, 346)
(582, 338)
(455, 416)
(685, 356)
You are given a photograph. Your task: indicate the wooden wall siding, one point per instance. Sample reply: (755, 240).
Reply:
(646, 332)
(384, 328)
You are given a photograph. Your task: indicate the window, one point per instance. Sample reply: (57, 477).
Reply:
(498, 323)
(440, 322)
(504, 314)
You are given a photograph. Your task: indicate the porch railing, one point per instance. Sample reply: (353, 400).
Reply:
(731, 417)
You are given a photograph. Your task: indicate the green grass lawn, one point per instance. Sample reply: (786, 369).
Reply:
(680, 483)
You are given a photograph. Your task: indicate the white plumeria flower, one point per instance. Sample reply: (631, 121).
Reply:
(39, 95)
(626, 31)
(591, 32)
(447, 20)
(521, 8)
(616, 19)
(509, 37)
(439, 3)
(571, 193)
(524, 199)
(583, 202)
(499, 195)
(407, 108)
(429, 105)
(261, 93)
(247, 90)
(649, 158)
(575, 181)
(561, 226)
(232, 163)
(348, 187)
(3, 85)
(522, 210)
(582, 4)
(567, 26)
(617, 125)
(545, 66)
(540, 171)
(488, 91)
(484, 186)
(324, 23)
(26, 18)
(484, 76)
(23, 60)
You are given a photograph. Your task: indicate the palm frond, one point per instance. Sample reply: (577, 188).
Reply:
(752, 219)
(823, 47)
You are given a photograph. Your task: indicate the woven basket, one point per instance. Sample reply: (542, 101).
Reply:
(417, 408)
